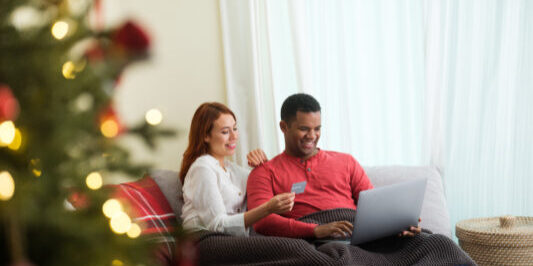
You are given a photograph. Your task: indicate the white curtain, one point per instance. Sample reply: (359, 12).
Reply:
(479, 86)
(440, 83)
(366, 74)
(249, 75)
(363, 61)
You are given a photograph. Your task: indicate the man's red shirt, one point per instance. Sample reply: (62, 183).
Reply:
(334, 180)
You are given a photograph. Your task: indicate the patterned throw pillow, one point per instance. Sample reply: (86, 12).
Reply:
(148, 207)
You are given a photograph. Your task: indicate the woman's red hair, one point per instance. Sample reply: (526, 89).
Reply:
(202, 123)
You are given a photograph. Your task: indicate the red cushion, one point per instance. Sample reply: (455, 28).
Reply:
(148, 207)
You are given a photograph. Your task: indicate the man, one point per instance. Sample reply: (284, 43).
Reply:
(334, 179)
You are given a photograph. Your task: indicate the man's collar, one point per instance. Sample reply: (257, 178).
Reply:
(300, 160)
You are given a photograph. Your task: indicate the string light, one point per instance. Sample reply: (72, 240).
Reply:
(7, 132)
(68, 206)
(135, 231)
(94, 181)
(109, 128)
(111, 207)
(120, 223)
(84, 102)
(37, 172)
(78, 7)
(36, 167)
(116, 262)
(7, 186)
(60, 29)
(68, 70)
(26, 17)
(17, 140)
(154, 117)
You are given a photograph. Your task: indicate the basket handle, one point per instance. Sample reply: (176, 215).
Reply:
(507, 221)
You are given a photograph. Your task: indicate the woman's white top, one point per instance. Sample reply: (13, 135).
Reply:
(214, 198)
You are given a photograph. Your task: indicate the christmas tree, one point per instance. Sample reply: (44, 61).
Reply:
(58, 135)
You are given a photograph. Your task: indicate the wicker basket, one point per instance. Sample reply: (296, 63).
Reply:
(504, 240)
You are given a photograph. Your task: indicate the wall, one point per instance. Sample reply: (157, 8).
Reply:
(184, 70)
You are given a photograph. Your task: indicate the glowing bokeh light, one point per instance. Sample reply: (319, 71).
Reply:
(135, 231)
(111, 207)
(17, 141)
(84, 102)
(109, 128)
(7, 186)
(94, 180)
(37, 172)
(26, 17)
(36, 167)
(68, 70)
(116, 262)
(60, 29)
(120, 223)
(7, 132)
(154, 117)
(68, 206)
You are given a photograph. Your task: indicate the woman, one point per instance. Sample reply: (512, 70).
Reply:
(214, 189)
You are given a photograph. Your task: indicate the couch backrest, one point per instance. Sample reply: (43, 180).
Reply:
(435, 216)
(168, 181)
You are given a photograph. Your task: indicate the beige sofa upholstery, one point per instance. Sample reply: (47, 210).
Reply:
(435, 216)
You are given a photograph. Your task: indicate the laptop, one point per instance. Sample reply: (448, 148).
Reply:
(386, 211)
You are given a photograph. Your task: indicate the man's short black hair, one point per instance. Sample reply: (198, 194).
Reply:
(298, 102)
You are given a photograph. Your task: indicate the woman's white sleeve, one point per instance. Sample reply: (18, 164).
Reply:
(207, 200)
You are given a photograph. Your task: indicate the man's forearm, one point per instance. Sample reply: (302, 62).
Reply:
(276, 225)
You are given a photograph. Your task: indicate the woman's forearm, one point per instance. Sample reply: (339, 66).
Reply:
(256, 214)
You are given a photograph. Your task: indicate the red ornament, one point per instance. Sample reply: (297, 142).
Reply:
(109, 123)
(131, 37)
(9, 106)
(79, 200)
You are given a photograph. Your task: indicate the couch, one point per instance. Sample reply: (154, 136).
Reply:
(434, 214)
(158, 201)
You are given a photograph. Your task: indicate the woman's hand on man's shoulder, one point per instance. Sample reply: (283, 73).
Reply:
(256, 157)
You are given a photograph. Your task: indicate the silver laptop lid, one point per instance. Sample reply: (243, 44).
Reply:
(388, 210)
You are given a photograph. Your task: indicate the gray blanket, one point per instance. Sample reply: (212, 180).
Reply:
(423, 249)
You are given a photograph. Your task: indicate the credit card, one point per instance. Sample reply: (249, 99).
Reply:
(299, 187)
